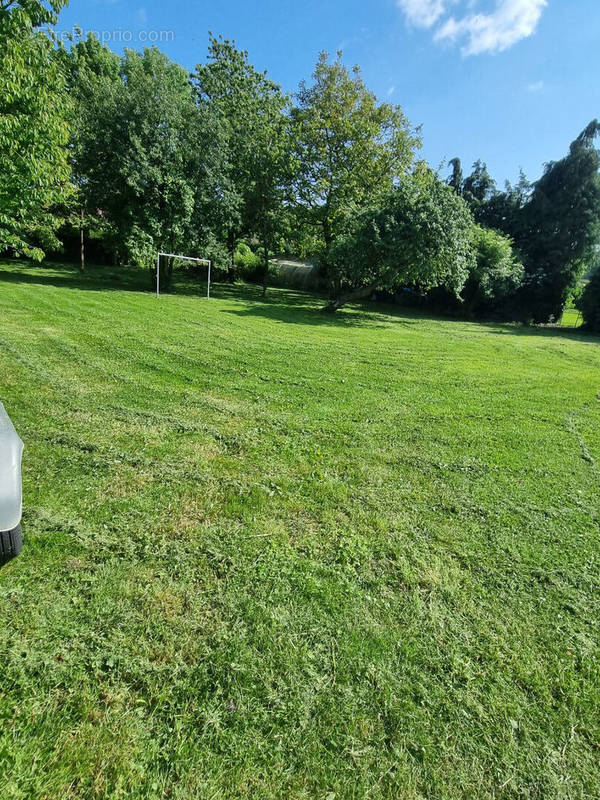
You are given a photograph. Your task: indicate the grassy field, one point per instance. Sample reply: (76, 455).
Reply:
(270, 554)
(571, 318)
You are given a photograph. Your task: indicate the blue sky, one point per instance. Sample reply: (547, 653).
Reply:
(508, 81)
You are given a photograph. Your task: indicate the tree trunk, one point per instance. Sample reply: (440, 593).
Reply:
(82, 244)
(231, 270)
(169, 273)
(342, 299)
(265, 269)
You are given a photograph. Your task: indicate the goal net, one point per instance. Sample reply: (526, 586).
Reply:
(166, 261)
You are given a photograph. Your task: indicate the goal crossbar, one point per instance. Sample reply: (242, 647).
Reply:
(182, 258)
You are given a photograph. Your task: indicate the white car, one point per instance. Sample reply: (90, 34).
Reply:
(11, 493)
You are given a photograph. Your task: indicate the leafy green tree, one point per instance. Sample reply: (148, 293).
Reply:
(252, 111)
(420, 235)
(270, 169)
(350, 150)
(92, 72)
(148, 155)
(503, 211)
(496, 274)
(27, 14)
(478, 189)
(456, 179)
(561, 227)
(34, 169)
(589, 303)
(159, 128)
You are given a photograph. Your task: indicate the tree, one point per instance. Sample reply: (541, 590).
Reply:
(496, 274)
(252, 111)
(589, 303)
(478, 189)
(503, 211)
(91, 70)
(29, 14)
(421, 235)
(34, 170)
(350, 150)
(456, 179)
(561, 227)
(147, 155)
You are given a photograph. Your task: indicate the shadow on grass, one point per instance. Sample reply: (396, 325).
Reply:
(281, 305)
(95, 278)
(284, 305)
(516, 329)
(293, 307)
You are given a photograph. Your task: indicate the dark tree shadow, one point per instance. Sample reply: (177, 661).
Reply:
(293, 307)
(288, 306)
(548, 331)
(95, 278)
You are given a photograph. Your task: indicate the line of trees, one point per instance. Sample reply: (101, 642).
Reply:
(137, 155)
(553, 223)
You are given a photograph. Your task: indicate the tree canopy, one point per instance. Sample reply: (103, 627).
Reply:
(34, 131)
(561, 226)
(252, 114)
(419, 235)
(350, 149)
(27, 14)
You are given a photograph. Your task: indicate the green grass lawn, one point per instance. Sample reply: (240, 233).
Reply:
(271, 554)
(571, 318)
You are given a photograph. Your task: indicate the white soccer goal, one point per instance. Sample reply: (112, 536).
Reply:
(181, 258)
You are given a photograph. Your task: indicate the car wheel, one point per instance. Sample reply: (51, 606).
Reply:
(11, 544)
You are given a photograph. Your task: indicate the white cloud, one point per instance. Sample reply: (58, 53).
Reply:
(424, 13)
(536, 87)
(492, 32)
(511, 21)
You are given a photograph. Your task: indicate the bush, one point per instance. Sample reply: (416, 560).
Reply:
(589, 303)
(248, 264)
(141, 250)
(497, 273)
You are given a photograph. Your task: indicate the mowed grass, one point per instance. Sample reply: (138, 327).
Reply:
(571, 318)
(270, 554)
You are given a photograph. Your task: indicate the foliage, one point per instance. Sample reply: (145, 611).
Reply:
(477, 188)
(561, 224)
(589, 302)
(34, 168)
(456, 179)
(503, 211)
(141, 249)
(420, 235)
(554, 223)
(245, 258)
(92, 71)
(350, 149)
(24, 15)
(252, 113)
(496, 274)
(148, 156)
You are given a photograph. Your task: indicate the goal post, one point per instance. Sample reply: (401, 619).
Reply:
(181, 258)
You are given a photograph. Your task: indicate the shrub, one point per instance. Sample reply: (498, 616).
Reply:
(497, 273)
(141, 250)
(248, 265)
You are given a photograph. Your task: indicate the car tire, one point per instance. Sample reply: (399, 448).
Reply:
(11, 544)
